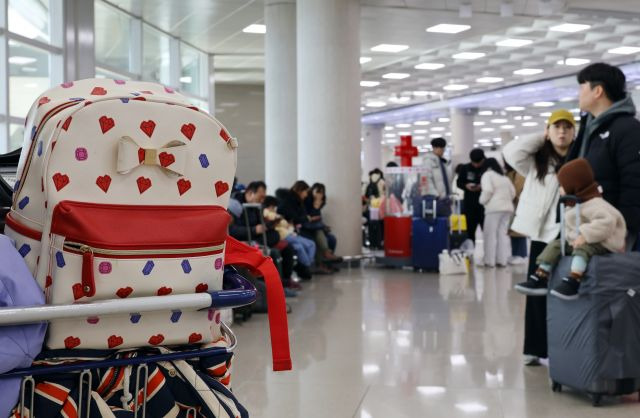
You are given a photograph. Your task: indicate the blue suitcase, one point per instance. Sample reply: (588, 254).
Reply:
(429, 237)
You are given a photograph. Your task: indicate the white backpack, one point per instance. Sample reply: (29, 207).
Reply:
(122, 191)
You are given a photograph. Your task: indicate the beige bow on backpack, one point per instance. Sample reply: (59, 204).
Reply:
(172, 157)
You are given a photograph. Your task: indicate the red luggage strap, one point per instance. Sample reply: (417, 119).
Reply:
(240, 254)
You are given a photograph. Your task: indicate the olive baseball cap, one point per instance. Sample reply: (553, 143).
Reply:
(561, 114)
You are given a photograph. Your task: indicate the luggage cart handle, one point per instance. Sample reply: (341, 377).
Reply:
(240, 293)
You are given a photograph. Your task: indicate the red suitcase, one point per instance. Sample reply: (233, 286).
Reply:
(397, 236)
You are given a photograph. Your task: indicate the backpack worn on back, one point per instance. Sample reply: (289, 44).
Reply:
(122, 192)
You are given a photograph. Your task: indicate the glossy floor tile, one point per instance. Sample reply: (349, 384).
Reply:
(376, 342)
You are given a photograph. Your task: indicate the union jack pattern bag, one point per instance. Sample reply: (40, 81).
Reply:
(122, 192)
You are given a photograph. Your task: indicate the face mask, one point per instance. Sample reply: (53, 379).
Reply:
(375, 178)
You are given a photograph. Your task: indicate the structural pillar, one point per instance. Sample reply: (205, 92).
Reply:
(328, 47)
(371, 148)
(462, 136)
(281, 165)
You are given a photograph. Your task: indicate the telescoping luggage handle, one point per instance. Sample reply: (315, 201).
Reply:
(457, 210)
(435, 208)
(563, 234)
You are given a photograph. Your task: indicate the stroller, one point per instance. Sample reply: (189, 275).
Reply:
(119, 213)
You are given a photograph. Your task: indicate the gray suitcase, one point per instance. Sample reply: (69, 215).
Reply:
(594, 341)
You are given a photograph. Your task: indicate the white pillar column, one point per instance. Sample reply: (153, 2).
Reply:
(79, 40)
(371, 148)
(462, 137)
(329, 111)
(281, 165)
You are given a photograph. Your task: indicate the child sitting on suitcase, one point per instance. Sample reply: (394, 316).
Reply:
(601, 230)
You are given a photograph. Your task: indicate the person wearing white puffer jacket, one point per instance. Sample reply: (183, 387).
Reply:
(497, 198)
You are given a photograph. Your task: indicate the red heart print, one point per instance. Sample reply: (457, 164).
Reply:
(194, 337)
(188, 129)
(66, 123)
(156, 339)
(93, 320)
(221, 188)
(166, 159)
(141, 155)
(98, 91)
(48, 281)
(123, 292)
(43, 100)
(202, 287)
(183, 186)
(114, 341)
(71, 342)
(146, 92)
(104, 182)
(60, 180)
(224, 135)
(106, 123)
(143, 184)
(147, 126)
(142, 99)
(78, 291)
(164, 290)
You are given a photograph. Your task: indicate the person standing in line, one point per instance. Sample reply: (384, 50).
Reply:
(439, 175)
(469, 181)
(537, 157)
(497, 198)
(518, 241)
(609, 139)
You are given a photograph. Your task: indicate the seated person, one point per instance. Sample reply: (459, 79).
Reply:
(602, 230)
(315, 228)
(305, 248)
(255, 192)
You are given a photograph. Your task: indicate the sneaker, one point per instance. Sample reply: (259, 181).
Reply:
(567, 290)
(534, 286)
(290, 293)
(518, 260)
(530, 360)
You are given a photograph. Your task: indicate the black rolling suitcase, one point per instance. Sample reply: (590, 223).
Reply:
(594, 341)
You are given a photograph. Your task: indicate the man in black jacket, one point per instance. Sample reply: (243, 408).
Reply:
(609, 138)
(469, 181)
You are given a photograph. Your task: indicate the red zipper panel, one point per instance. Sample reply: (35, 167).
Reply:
(22, 229)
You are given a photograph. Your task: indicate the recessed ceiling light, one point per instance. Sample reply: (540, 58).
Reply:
(567, 99)
(514, 43)
(389, 128)
(429, 66)
(543, 104)
(517, 117)
(514, 108)
(364, 60)
(487, 130)
(468, 55)
(545, 114)
(376, 103)
(576, 110)
(489, 79)
(437, 129)
(574, 61)
(478, 123)
(255, 28)
(569, 27)
(499, 120)
(422, 93)
(624, 50)
(403, 125)
(444, 120)
(21, 60)
(29, 69)
(419, 137)
(395, 76)
(420, 131)
(422, 123)
(485, 113)
(528, 71)
(404, 133)
(435, 136)
(448, 28)
(389, 48)
(507, 126)
(527, 124)
(401, 99)
(389, 135)
(527, 117)
(369, 83)
(455, 87)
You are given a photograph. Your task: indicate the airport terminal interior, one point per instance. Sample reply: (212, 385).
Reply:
(434, 204)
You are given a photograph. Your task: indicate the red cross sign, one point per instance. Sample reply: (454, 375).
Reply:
(406, 151)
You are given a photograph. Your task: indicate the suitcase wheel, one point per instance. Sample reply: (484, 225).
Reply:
(596, 399)
(556, 387)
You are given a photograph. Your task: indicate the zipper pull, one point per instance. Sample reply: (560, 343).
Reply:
(88, 281)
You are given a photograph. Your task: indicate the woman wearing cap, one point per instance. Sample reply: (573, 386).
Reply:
(537, 158)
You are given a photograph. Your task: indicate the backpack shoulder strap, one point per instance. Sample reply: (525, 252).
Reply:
(240, 254)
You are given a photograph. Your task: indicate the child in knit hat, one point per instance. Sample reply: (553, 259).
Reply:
(602, 230)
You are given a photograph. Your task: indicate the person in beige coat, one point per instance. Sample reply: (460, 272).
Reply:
(601, 230)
